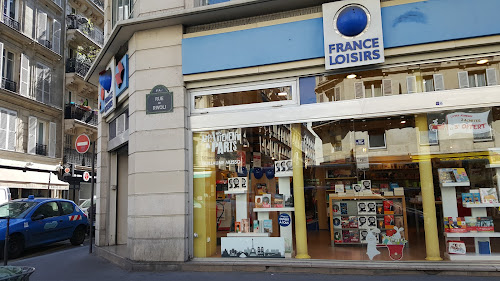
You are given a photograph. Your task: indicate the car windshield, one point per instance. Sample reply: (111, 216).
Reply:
(85, 204)
(16, 210)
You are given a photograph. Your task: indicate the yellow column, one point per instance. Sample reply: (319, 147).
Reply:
(204, 209)
(428, 201)
(298, 193)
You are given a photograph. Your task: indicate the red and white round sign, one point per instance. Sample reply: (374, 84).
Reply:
(82, 143)
(86, 176)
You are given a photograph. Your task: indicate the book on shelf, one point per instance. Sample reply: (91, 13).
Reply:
(344, 221)
(339, 188)
(350, 236)
(371, 208)
(488, 195)
(288, 201)
(237, 227)
(245, 225)
(266, 201)
(485, 224)
(267, 226)
(484, 247)
(256, 226)
(363, 222)
(380, 222)
(398, 207)
(455, 225)
(452, 175)
(362, 207)
(337, 236)
(258, 201)
(388, 207)
(336, 208)
(366, 185)
(357, 187)
(456, 247)
(380, 208)
(343, 208)
(384, 187)
(372, 222)
(353, 222)
(467, 198)
(336, 222)
(278, 200)
(393, 185)
(399, 191)
(471, 224)
(389, 221)
(261, 188)
(476, 196)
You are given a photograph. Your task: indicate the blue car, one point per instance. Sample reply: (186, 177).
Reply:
(41, 221)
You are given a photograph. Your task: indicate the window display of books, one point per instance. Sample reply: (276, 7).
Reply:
(452, 175)
(468, 224)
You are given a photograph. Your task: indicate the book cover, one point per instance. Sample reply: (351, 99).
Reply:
(336, 222)
(467, 198)
(485, 224)
(268, 226)
(343, 208)
(350, 236)
(371, 208)
(362, 236)
(455, 225)
(393, 185)
(337, 236)
(258, 201)
(344, 221)
(488, 195)
(288, 200)
(398, 207)
(261, 189)
(237, 227)
(362, 208)
(366, 184)
(266, 201)
(339, 188)
(446, 175)
(384, 186)
(256, 226)
(363, 222)
(380, 208)
(484, 247)
(380, 223)
(398, 221)
(471, 224)
(388, 207)
(476, 197)
(336, 208)
(460, 175)
(389, 222)
(372, 222)
(278, 201)
(353, 222)
(456, 247)
(357, 187)
(245, 225)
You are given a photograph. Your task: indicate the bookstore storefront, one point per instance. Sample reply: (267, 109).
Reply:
(417, 185)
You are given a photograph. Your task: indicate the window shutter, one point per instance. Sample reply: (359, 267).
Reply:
(52, 140)
(56, 46)
(3, 129)
(120, 124)
(1, 60)
(491, 77)
(39, 82)
(411, 84)
(463, 79)
(32, 134)
(11, 140)
(337, 93)
(47, 79)
(359, 90)
(41, 26)
(438, 82)
(24, 86)
(387, 87)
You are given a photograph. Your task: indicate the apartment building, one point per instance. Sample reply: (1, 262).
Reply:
(31, 97)
(363, 125)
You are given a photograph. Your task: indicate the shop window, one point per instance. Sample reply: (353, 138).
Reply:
(376, 140)
(248, 95)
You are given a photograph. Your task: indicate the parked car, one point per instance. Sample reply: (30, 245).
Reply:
(84, 206)
(41, 221)
(4, 194)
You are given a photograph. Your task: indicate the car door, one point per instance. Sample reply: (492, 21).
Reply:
(69, 218)
(46, 223)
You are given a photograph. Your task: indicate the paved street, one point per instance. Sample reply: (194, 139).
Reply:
(76, 264)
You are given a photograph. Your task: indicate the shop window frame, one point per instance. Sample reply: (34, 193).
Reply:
(292, 83)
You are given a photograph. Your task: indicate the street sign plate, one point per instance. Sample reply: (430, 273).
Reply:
(86, 176)
(82, 143)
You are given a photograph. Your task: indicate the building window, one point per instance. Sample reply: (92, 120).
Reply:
(122, 10)
(470, 79)
(8, 65)
(10, 9)
(373, 89)
(376, 140)
(8, 129)
(43, 79)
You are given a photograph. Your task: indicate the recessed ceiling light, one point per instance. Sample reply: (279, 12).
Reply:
(483, 61)
(351, 76)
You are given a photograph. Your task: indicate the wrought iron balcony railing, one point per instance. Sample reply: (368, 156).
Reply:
(8, 85)
(73, 111)
(75, 66)
(41, 149)
(99, 3)
(73, 157)
(96, 35)
(46, 43)
(12, 23)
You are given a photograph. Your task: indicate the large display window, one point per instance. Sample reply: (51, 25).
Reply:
(406, 187)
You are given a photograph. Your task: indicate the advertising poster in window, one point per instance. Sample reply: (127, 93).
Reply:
(223, 145)
(477, 124)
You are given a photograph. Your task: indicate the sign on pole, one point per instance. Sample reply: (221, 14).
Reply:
(86, 176)
(82, 143)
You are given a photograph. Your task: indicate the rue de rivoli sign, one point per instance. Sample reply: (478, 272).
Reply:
(160, 100)
(352, 33)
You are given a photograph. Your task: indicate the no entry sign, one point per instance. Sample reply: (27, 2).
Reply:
(82, 143)
(86, 176)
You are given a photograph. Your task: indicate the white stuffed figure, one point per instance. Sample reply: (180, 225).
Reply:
(372, 242)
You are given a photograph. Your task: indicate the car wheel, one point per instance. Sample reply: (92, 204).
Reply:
(16, 246)
(78, 236)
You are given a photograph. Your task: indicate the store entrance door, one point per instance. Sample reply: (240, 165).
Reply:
(122, 197)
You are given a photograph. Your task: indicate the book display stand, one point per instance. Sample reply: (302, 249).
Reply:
(450, 209)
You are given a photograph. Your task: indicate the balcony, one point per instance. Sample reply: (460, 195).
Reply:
(75, 66)
(41, 149)
(8, 85)
(81, 24)
(99, 3)
(11, 22)
(78, 159)
(46, 43)
(83, 114)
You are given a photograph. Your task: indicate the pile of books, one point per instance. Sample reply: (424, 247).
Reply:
(468, 224)
(480, 196)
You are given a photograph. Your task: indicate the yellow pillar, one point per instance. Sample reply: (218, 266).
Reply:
(298, 193)
(428, 201)
(204, 208)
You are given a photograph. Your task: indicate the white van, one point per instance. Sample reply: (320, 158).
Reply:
(4, 194)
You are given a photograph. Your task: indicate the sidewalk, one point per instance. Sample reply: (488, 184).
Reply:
(77, 264)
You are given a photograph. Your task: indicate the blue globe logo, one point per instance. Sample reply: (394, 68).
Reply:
(352, 20)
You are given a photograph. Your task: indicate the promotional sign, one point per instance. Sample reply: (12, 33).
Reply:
(462, 122)
(107, 99)
(121, 76)
(86, 176)
(160, 100)
(284, 220)
(82, 143)
(352, 33)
